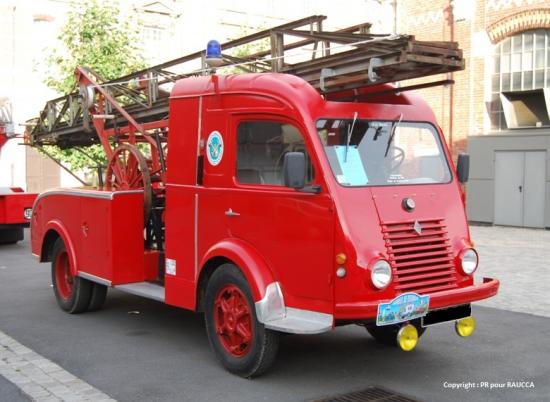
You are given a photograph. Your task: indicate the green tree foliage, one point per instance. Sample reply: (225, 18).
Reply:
(96, 35)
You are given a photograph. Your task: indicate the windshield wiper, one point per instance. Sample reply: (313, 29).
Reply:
(350, 130)
(392, 133)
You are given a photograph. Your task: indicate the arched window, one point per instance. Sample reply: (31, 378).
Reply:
(521, 70)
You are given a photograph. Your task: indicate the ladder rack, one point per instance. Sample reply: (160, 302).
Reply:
(338, 60)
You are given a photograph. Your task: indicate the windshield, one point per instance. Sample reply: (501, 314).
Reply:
(378, 153)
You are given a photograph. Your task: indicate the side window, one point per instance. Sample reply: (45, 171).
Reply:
(261, 148)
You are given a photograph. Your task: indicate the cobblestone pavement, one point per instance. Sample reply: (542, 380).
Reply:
(520, 259)
(40, 379)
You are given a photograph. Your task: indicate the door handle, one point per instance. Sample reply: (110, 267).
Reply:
(520, 189)
(231, 213)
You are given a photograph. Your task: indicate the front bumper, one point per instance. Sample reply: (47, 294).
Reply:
(448, 298)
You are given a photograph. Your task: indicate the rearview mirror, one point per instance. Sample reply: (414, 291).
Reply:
(463, 168)
(294, 170)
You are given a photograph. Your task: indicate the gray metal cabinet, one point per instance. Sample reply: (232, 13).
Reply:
(520, 188)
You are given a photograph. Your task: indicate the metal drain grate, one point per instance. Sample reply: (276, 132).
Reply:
(371, 394)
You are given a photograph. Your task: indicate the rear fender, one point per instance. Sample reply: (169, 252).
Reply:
(58, 227)
(248, 260)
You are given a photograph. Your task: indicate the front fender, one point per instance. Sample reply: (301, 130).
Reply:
(247, 258)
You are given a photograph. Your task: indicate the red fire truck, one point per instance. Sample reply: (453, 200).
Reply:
(15, 204)
(313, 195)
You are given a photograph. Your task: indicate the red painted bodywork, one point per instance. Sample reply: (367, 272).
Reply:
(101, 230)
(13, 202)
(281, 234)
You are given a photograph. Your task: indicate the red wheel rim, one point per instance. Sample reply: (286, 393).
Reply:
(233, 320)
(128, 170)
(63, 278)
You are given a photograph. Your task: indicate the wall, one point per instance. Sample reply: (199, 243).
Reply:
(480, 194)
(431, 20)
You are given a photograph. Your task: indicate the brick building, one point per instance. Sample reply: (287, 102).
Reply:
(499, 108)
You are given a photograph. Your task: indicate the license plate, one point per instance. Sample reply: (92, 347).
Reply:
(405, 307)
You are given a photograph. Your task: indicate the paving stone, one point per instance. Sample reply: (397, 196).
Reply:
(40, 379)
(48, 399)
(519, 258)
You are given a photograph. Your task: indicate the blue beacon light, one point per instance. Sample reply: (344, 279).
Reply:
(214, 54)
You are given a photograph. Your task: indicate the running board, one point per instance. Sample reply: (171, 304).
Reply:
(144, 289)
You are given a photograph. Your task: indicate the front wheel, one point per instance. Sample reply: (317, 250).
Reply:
(387, 334)
(242, 344)
(72, 292)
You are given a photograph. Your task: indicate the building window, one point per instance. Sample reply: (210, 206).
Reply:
(521, 71)
(154, 42)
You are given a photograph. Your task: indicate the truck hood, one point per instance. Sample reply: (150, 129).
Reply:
(421, 245)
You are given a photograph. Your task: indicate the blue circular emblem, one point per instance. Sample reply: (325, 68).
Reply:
(214, 148)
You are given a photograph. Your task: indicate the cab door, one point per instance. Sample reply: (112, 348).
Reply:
(293, 230)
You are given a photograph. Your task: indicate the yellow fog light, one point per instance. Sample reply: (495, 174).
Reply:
(407, 337)
(465, 326)
(341, 259)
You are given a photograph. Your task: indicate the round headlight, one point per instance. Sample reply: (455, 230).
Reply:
(468, 261)
(27, 213)
(380, 274)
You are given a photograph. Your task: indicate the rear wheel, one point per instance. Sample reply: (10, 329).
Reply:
(242, 344)
(72, 293)
(387, 334)
(11, 235)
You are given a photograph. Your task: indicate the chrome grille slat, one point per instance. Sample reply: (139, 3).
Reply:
(410, 256)
(422, 262)
(425, 269)
(399, 250)
(435, 274)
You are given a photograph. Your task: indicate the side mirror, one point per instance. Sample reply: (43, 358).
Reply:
(463, 168)
(294, 170)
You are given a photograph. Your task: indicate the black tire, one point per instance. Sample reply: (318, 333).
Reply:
(11, 235)
(77, 299)
(387, 334)
(260, 352)
(99, 294)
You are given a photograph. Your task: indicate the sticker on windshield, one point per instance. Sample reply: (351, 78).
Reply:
(405, 307)
(353, 172)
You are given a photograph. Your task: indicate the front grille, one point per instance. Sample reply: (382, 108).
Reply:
(422, 262)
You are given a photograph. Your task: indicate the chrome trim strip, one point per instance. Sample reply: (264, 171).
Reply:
(199, 129)
(107, 195)
(272, 305)
(271, 311)
(94, 278)
(196, 236)
(298, 321)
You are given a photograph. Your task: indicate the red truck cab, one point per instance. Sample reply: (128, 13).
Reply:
(285, 211)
